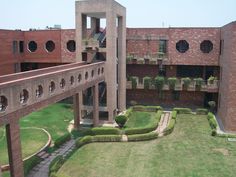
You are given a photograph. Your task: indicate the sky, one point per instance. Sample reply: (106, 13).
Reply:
(25, 14)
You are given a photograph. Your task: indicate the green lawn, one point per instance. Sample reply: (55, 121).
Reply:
(189, 151)
(140, 119)
(55, 119)
(32, 141)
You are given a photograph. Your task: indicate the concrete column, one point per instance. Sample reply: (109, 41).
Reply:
(14, 149)
(77, 110)
(110, 75)
(122, 63)
(95, 105)
(81, 23)
(95, 25)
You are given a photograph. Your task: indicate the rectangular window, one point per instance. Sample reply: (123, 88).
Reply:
(14, 47)
(163, 46)
(21, 46)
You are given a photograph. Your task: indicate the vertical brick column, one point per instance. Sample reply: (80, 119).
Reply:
(14, 149)
(77, 110)
(95, 105)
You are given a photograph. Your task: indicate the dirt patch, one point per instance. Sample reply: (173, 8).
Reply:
(222, 151)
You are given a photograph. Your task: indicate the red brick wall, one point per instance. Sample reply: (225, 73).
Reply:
(7, 58)
(227, 100)
(66, 55)
(151, 97)
(41, 55)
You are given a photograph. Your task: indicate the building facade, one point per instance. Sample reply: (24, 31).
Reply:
(206, 56)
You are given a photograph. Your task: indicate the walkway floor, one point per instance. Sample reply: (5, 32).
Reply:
(42, 169)
(165, 118)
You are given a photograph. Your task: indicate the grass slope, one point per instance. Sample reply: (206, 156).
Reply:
(189, 151)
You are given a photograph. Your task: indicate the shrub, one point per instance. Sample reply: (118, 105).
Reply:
(147, 108)
(212, 105)
(121, 120)
(199, 82)
(61, 140)
(183, 110)
(83, 141)
(212, 121)
(131, 131)
(201, 111)
(186, 82)
(147, 82)
(106, 130)
(169, 129)
(107, 138)
(172, 81)
(133, 82)
(143, 137)
(56, 164)
(159, 82)
(213, 132)
(174, 114)
(31, 163)
(211, 79)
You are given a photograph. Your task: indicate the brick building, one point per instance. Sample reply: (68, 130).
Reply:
(174, 53)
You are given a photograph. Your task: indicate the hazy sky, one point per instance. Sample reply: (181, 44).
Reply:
(25, 14)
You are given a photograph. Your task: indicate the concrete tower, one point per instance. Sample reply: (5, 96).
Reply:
(109, 43)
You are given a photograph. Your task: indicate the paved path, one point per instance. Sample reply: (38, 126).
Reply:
(42, 169)
(165, 118)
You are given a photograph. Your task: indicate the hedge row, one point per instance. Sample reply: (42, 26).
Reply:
(61, 140)
(212, 122)
(143, 137)
(105, 131)
(201, 111)
(142, 130)
(147, 108)
(31, 163)
(98, 138)
(183, 110)
(169, 129)
(55, 165)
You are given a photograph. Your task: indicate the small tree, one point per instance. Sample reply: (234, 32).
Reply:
(172, 81)
(159, 82)
(198, 82)
(212, 105)
(186, 82)
(133, 82)
(121, 120)
(147, 82)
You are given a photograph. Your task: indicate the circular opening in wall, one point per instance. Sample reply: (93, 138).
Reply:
(3, 103)
(50, 46)
(92, 73)
(86, 75)
(71, 45)
(99, 71)
(182, 46)
(62, 83)
(39, 91)
(206, 46)
(52, 87)
(32, 46)
(79, 78)
(24, 96)
(72, 80)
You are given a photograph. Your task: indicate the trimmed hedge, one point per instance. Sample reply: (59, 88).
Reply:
(55, 165)
(201, 111)
(183, 110)
(147, 82)
(169, 129)
(174, 114)
(147, 108)
(212, 120)
(143, 137)
(98, 138)
(105, 131)
(142, 130)
(31, 163)
(121, 120)
(61, 140)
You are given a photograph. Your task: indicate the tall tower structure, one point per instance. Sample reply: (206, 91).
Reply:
(108, 44)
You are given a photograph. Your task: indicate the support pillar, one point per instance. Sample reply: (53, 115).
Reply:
(95, 25)
(14, 149)
(77, 110)
(95, 105)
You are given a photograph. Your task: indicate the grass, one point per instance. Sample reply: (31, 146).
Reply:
(189, 151)
(55, 119)
(32, 141)
(140, 119)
